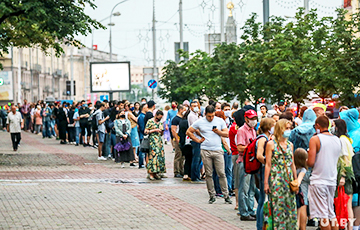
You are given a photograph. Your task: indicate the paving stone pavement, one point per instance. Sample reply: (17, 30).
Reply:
(46, 185)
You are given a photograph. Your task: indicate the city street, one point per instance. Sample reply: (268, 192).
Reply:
(46, 185)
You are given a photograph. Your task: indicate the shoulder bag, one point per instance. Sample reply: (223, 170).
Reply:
(145, 144)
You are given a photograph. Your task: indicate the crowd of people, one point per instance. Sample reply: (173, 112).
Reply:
(299, 161)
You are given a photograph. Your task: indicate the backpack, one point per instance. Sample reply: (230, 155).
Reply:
(251, 163)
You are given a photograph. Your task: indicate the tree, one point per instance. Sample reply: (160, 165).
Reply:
(45, 24)
(172, 82)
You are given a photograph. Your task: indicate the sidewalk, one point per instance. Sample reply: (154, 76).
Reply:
(46, 185)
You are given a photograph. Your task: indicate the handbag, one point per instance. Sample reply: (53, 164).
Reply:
(145, 145)
(294, 185)
(122, 145)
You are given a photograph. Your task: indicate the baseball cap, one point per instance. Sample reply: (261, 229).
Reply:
(250, 114)
(186, 102)
(281, 102)
(151, 103)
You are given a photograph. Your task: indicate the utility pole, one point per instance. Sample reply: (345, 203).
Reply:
(181, 26)
(306, 6)
(52, 74)
(38, 72)
(31, 77)
(19, 78)
(84, 74)
(72, 73)
(266, 11)
(222, 21)
(154, 48)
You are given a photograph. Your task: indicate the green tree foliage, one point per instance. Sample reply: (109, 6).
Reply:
(46, 24)
(281, 60)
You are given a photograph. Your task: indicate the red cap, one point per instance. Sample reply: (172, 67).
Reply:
(250, 114)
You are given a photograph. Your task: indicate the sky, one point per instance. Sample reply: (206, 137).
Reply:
(132, 36)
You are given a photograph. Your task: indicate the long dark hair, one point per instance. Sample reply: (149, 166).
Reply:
(341, 128)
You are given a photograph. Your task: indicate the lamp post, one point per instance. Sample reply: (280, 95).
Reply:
(92, 40)
(110, 42)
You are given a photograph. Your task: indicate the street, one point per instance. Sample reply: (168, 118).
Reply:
(46, 185)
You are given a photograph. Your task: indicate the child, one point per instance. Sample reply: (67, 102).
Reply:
(300, 158)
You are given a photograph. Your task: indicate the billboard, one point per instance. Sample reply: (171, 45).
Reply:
(6, 86)
(110, 77)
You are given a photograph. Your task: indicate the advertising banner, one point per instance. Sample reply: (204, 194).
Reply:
(6, 86)
(110, 77)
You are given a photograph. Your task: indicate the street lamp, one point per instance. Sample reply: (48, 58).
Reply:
(112, 24)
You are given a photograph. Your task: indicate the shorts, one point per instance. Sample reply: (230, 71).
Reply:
(101, 137)
(236, 171)
(321, 201)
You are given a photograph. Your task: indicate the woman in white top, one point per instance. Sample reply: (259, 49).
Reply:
(345, 171)
(299, 119)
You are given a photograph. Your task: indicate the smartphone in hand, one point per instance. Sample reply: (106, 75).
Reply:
(214, 127)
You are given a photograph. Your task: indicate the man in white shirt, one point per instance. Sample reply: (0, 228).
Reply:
(14, 124)
(211, 129)
(324, 152)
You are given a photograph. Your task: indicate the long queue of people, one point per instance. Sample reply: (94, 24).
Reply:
(293, 167)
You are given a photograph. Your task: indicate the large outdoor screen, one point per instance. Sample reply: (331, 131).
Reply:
(110, 76)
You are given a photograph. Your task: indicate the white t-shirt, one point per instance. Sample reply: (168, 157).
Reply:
(212, 140)
(14, 122)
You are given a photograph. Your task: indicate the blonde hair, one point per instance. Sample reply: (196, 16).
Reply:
(280, 128)
(167, 108)
(265, 125)
(300, 157)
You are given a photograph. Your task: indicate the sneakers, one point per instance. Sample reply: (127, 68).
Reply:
(132, 165)
(102, 158)
(122, 165)
(212, 200)
(227, 200)
(94, 146)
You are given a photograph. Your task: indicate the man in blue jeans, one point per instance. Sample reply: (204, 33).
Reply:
(246, 193)
(141, 123)
(196, 159)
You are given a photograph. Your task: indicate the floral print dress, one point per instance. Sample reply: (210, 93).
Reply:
(156, 155)
(283, 201)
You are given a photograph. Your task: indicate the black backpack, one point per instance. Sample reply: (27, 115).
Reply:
(93, 121)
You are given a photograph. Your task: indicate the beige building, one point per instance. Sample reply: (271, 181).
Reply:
(46, 75)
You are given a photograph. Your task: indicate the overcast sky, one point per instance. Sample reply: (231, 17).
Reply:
(132, 37)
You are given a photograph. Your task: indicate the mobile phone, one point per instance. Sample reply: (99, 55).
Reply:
(214, 127)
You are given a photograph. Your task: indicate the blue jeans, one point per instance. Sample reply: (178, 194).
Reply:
(52, 125)
(228, 173)
(246, 192)
(196, 161)
(112, 143)
(261, 200)
(46, 129)
(77, 133)
(141, 156)
(106, 146)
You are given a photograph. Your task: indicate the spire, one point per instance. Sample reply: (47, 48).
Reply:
(230, 6)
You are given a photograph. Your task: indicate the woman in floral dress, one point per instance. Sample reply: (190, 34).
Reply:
(156, 164)
(282, 200)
